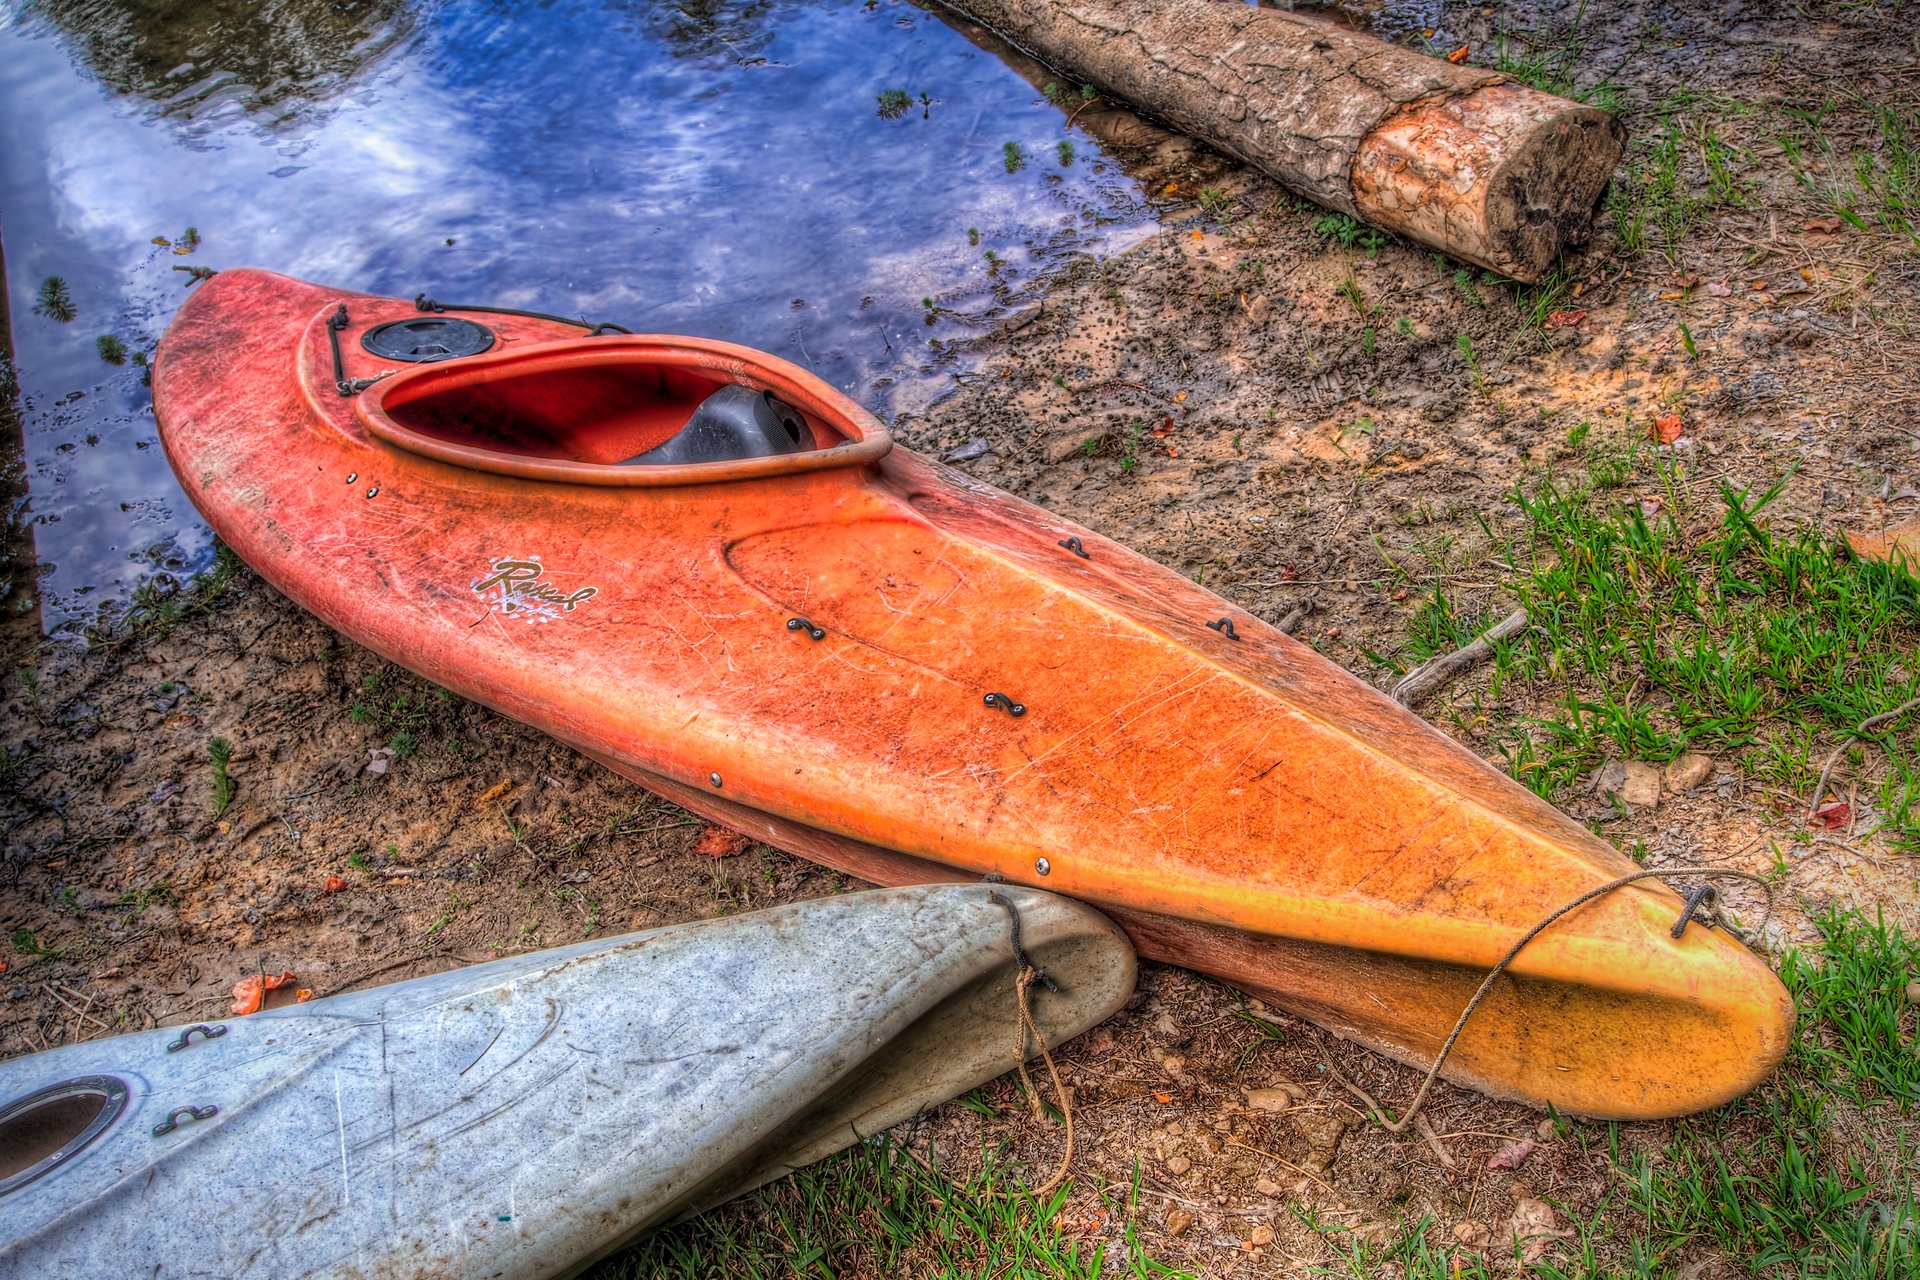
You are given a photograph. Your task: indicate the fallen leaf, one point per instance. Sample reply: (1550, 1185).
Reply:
(1162, 1097)
(252, 989)
(1719, 289)
(333, 884)
(303, 995)
(1459, 55)
(1829, 225)
(1565, 319)
(1513, 1155)
(718, 842)
(1833, 816)
(1199, 235)
(1169, 189)
(495, 791)
(1179, 397)
(1668, 427)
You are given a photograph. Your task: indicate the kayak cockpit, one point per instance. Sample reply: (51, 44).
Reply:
(622, 410)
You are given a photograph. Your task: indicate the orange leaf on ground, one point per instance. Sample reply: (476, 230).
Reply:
(1459, 55)
(252, 989)
(718, 842)
(1667, 427)
(333, 884)
(1564, 319)
(1162, 1097)
(1829, 225)
(303, 995)
(1898, 544)
(1833, 816)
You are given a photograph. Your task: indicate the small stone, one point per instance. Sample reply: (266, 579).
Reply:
(1175, 1129)
(1262, 1235)
(1179, 1164)
(1267, 1187)
(1913, 993)
(1269, 1099)
(1472, 1234)
(1179, 1221)
(1688, 771)
(1174, 1065)
(1635, 782)
(1548, 1131)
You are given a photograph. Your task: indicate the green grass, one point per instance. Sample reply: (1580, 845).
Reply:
(1697, 626)
(877, 1211)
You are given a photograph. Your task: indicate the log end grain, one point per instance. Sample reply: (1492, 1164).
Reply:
(1505, 176)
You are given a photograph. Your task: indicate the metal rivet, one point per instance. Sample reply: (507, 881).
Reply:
(353, 477)
(374, 492)
(1042, 866)
(714, 778)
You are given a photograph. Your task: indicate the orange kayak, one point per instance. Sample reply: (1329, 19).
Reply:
(715, 574)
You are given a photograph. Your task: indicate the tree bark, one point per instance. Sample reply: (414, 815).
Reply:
(1456, 157)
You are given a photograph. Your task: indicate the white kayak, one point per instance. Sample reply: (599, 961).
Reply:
(524, 1117)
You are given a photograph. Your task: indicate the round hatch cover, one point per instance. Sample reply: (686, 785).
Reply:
(423, 339)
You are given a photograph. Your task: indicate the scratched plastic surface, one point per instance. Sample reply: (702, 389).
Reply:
(1241, 806)
(518, 1119)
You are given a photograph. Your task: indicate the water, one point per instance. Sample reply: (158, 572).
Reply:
(715, 167)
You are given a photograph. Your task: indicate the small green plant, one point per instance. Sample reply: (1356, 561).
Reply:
(26, 943)
(1404, 326)
(1338, 228)
(1369, 339)
(220, 753)
(1064, 149)
(1013, 157)
(893, 103)
(1686, 341)
(111, 349)
(54, 302)
(1464, 345)
(1215, 201)
(359, 862)
(1130, 447)
(973, 236)
(1054, 93)
(1087, 93)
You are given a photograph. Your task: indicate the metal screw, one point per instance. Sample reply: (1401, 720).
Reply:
(353, 477)
(374, 492)
(714, 778)
(1042, 865)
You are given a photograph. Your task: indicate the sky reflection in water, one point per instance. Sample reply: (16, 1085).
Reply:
(711, 168)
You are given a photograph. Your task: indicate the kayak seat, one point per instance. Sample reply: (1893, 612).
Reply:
(734, 422)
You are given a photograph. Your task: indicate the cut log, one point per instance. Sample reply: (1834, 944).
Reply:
(1459, 158)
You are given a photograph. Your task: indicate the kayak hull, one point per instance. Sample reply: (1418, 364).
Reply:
(872, 660)
(524, 1117)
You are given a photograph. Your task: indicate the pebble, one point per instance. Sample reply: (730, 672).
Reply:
(1179, 1164)
(1913, 993)
(1688, 771)
(1173, 1064)
(1179, 1221)
(1268, 1187)
(1262, 1235)
(1547, 1131)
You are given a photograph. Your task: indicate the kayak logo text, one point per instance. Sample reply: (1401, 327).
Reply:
(516, 587)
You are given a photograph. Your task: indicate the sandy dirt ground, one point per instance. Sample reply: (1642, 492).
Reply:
(1319, 432)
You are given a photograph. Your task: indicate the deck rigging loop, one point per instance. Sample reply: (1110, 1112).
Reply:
(422, 302)
(1014, 709)
(1073, 544)
(1025, 976)
(1695, 899)
(1225, 627)
(184, 1115)
(801, 624)
(185, 1038)
(341, 382)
